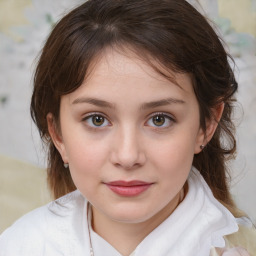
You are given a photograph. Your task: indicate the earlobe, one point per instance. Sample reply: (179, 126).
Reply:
(56, 137)
(211, 125)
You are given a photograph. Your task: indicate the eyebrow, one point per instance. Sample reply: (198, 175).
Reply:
(93, 101)
(147, 105)
(160, 103)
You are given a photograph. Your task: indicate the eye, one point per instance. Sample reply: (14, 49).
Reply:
(96, 120)
(160, 120)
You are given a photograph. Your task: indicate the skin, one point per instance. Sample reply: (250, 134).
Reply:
(129, 144)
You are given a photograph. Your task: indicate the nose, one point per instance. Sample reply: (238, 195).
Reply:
(127, 150)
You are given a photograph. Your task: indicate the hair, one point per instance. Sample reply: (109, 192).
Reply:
(171, 32)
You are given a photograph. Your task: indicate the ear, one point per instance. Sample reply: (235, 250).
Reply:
(56, 137)
(211, 125)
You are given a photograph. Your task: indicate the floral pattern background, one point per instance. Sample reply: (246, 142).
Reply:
(24, 26)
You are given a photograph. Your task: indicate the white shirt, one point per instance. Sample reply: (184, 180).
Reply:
(61, 228)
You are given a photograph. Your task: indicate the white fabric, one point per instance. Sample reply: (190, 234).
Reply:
(61, 228)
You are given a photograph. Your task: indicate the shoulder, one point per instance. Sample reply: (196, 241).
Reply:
(245, 238)
(22, 232)
(242, 242)
(33, 233)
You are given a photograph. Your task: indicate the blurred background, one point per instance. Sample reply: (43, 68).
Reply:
(24, 26)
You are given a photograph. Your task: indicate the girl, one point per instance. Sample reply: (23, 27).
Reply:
(134, 101)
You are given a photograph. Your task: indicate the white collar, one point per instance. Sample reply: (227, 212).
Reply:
(197, 224)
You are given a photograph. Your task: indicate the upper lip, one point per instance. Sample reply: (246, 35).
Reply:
(131, 183)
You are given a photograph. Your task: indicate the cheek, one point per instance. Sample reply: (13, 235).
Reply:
(173, 158)
(81, 147)
(86, 158)
(85, 166)
(87, 155)
(175, 161)
(175, 149)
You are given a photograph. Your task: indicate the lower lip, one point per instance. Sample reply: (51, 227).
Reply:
(129, 190)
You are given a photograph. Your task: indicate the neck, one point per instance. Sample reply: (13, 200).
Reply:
(125, 237)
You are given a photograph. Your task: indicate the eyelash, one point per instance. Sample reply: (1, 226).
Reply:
(165, 116)
(98, 114)
(95, 114)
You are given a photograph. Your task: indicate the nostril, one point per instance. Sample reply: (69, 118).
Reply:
(127, 167)
(127, 152)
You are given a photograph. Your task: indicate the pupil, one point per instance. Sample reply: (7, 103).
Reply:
(158, 120)
(98, 120)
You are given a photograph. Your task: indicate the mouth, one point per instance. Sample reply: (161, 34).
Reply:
(128, 188)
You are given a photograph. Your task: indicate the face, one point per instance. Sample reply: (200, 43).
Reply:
(129, 136)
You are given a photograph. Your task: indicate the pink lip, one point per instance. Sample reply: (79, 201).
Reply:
(128, 188)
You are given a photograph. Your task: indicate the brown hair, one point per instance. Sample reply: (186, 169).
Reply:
(170, 31)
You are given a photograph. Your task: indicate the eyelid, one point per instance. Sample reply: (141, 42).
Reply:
(162, 114)
(91, 114)
(166, 115)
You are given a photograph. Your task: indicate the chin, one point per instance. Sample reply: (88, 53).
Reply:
(131, 216)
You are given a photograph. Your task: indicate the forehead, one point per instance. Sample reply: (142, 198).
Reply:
(125, 74)
(127, 63)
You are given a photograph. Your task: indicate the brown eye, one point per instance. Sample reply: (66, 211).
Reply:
(98, 120)
(158, 120)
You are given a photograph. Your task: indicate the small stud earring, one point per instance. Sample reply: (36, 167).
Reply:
(202, 147)
(66, 165)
